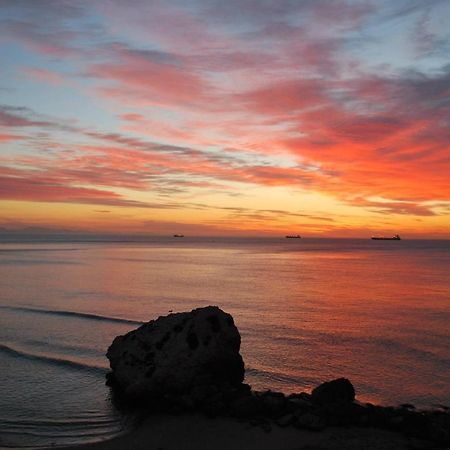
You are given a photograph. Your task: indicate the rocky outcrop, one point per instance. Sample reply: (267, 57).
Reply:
(180, 355)
(190, 362)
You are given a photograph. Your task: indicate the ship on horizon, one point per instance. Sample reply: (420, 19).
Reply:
(293, 236)
(178, 235)
(396, 237)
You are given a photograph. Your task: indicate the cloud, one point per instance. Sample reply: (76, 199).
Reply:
(371, 132)
(9, 137)
(48, 190)
(41, 189)
(267, 215)
(149, 78)
(196, 98)
(44, 75)
(12, 117)
(54, 43)
(396, 207)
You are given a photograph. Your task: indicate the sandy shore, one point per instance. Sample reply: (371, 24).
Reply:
(195, 432)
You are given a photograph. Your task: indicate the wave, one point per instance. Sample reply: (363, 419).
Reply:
(73, 314)
(35, 262)
(77, 365)
(34, 250)
(98, 420)
(276, 376)
(386, 344)
(294, 338)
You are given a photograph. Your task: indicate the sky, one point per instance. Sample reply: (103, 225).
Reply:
(237, 117)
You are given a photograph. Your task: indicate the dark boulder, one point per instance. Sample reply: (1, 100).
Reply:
(336, 391)
(173, 356)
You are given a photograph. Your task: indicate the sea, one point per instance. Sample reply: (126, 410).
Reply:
(308, 310)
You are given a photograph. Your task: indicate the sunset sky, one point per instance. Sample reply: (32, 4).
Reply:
(323, 118)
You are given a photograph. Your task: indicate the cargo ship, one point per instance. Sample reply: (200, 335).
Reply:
(383, 238)
(293, 236)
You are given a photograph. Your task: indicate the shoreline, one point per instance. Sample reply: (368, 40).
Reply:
(183, 375)
(198, 432)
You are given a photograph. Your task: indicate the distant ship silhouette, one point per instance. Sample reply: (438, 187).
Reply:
(178, 235)
(293, 236)
(396, 237)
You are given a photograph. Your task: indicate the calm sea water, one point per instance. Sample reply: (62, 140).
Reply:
(308, 310)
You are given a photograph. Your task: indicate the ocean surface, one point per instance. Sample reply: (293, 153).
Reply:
(309, 310)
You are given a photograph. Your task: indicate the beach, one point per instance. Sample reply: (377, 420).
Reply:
(196, 432)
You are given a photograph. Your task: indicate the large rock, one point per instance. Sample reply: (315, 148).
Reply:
(177, 354)
(340, 390)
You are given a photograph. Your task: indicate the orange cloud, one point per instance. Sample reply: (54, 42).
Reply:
(9, 137)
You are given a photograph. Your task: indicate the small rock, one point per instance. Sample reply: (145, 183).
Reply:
(336, 391)
(299, 403)
(407, 406)
(301, 395)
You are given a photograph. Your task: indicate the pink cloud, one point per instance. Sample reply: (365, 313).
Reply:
(26, 185)
(9, 137)
(139, 78)
(284, 98)
(42, 189)
(44, 75)
(164, 25)
(11, 117)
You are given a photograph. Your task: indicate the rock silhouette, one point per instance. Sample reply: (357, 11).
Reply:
(179, 354)
(190, 362)
(335, 391)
